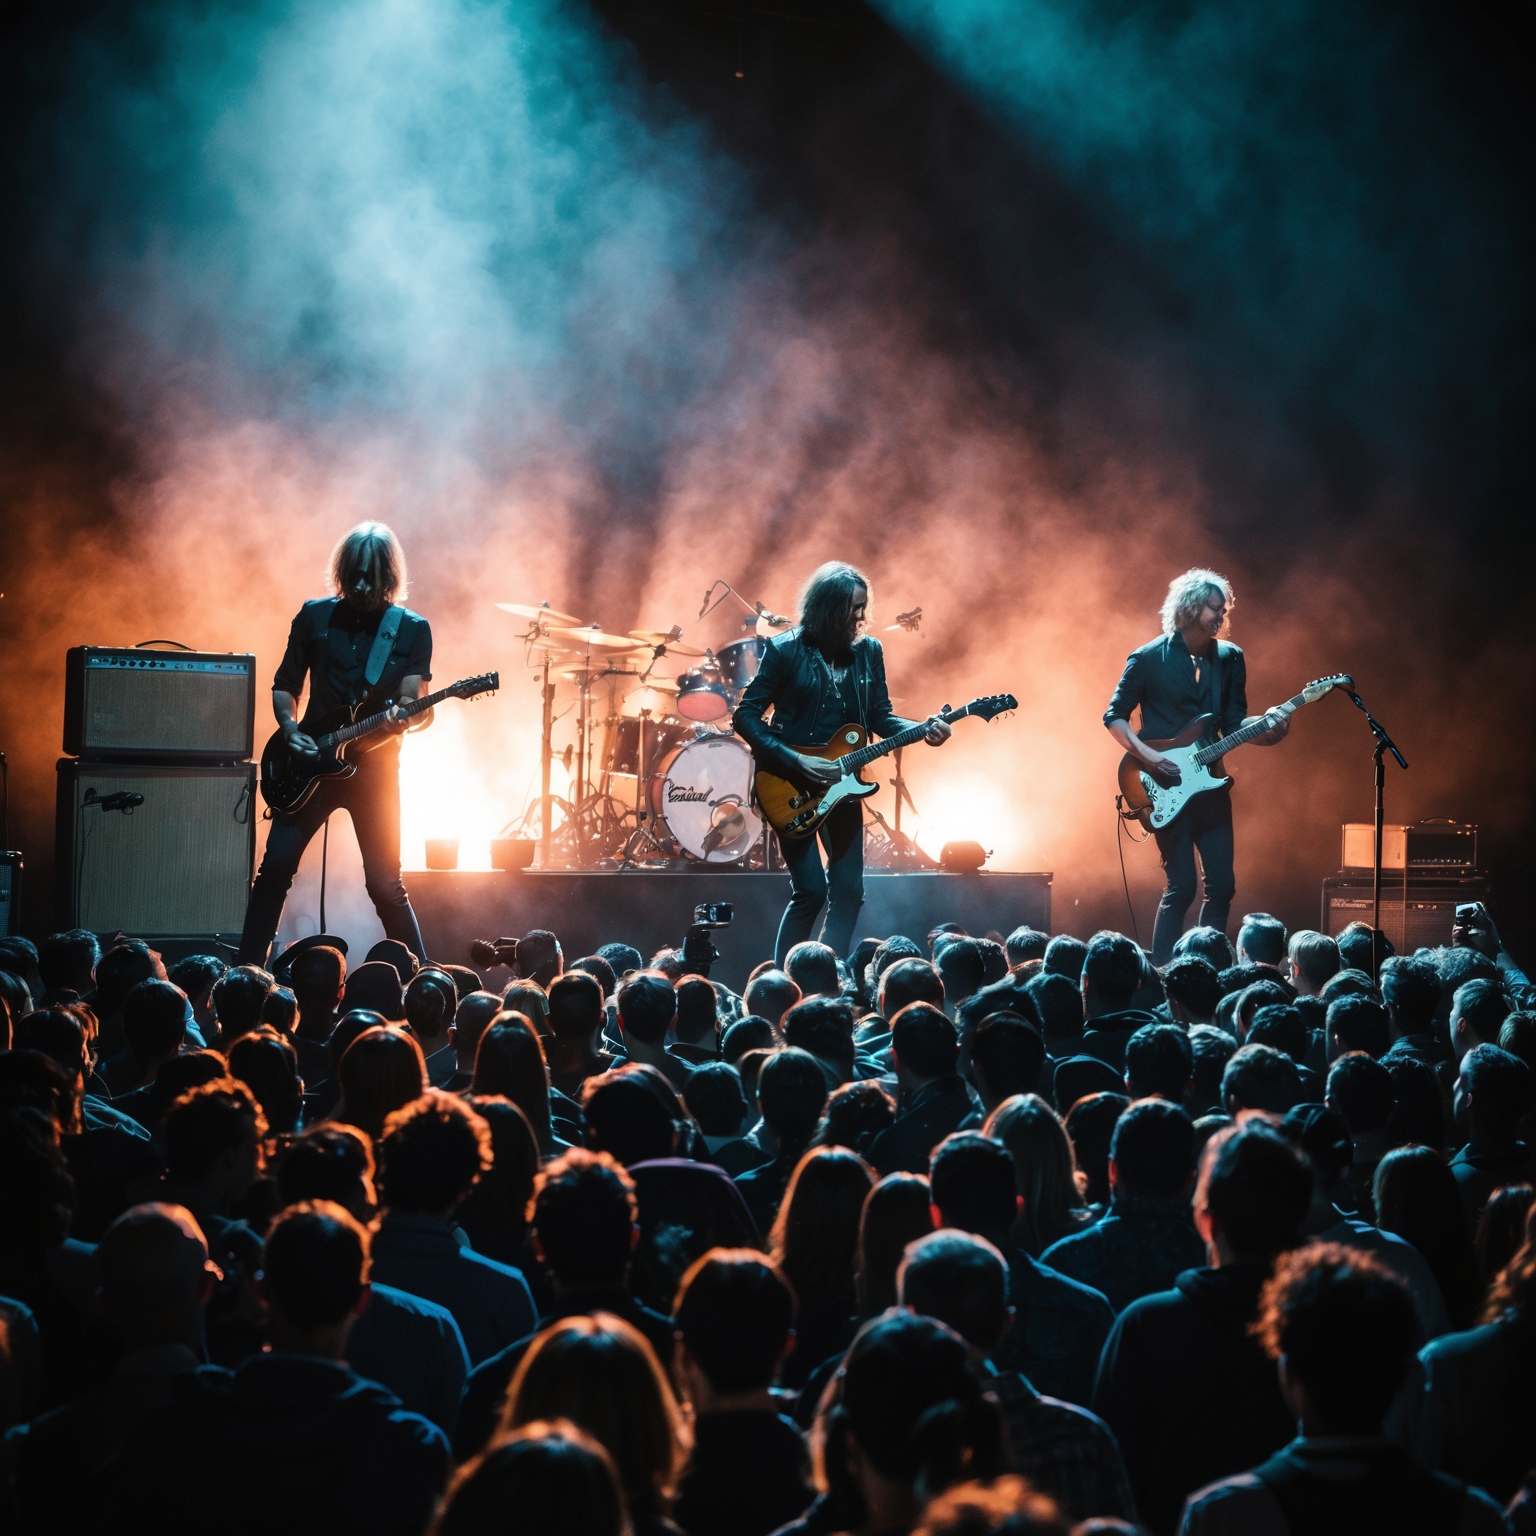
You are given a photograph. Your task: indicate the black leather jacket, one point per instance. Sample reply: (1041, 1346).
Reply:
(793, 680)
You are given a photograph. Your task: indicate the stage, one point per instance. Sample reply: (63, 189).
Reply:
(651, 909)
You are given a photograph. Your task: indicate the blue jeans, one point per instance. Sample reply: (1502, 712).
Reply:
(1204, 824)
(840, 886)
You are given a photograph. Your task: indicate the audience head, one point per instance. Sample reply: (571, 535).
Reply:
(280, 1012)
(647, 1005)
(1212, 1049)
(973, 1186)
(123, 966)
(1418, 1108)
(1260, 1077)
(539, 957)
(530, 1000)
(1314, 960)
(1064, 956)
(1347, 983)
(401, 956)
(329, 1162)
(751, 1032)
(897, 1211)
(318, 977)
(1261, 940)
(196, 975)
(960, 1279)
(585, 1220)
(1360, 946)
(1152, 1151)
(814, 1239)
(1090, 1125)
(1357, 1022)
(600, 969)
(624, 958)
(1193, 988)
(314, 1277)
(1210, 944)
(1501, 1228)
(382, 1070)
(1478, 1010)
(1159, 1060)
(854, 1115)
(733, 1315)
(1252, 1195)
(698, 1012)
(265, 1062)
(907, 982)
(1007, 1057)
(1044, 1168)
(67, 961)
(600, 1374)
(887, 953)
(961, 968)
(923, 1043)
(1342, 1327)
(575, 1006)
(510, 1062)
(495, 1212)
(715, 1099)
(1493, 1094)
(1282, 1026)
(155, 1017)
(430, 1002)
(1025, 943)
(431, 1154)
(475, 1014)
(1111, 973)
(1360, 1089)
(770, 996)
(375, 985)
(239, 996)
(1059, 1001)
(627, 1118)
(823, 1027)
(813, 968)
(1257, 995)
(1410, 987)
(213, 1140)
(1417, 1198)
(915, 1410)
(155, 1276)
(550, 1478)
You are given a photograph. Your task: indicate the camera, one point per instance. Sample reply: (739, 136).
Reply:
(713, 914)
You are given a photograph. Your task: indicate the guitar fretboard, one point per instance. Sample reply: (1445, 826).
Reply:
(376, 722)
(1265, 723)
(914, 733)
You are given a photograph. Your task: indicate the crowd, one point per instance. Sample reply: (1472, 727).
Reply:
(956, 1236)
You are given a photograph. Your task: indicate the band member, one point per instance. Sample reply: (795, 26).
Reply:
(332, 640)
(817, 677)
(1189, 672)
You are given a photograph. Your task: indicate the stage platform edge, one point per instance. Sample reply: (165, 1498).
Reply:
(651, 909)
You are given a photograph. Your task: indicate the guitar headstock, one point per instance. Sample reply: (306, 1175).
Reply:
(472, 687)
(993, 705)
(1322, 686)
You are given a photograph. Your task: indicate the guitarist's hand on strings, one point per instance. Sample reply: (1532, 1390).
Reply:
(938, 731)
(297, 741)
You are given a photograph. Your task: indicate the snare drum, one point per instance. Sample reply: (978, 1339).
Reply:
(739, 662)
(702, 695)
(702, 796)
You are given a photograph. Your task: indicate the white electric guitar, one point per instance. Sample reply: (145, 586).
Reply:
(1155, 799)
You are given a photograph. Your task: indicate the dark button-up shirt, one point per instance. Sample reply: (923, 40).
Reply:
(1059, 1327)
(331, 641)
(1159, 679)
(1140, 1246)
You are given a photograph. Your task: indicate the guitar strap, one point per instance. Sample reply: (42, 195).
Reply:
(1216, 699)
(383, 644)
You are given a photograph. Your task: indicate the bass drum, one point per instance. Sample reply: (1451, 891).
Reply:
(660, 736)
(702, 796)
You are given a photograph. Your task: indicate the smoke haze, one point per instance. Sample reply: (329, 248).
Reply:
(478, 271)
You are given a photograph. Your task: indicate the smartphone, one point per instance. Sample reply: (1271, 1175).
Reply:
(714, 914)
(1467, 911)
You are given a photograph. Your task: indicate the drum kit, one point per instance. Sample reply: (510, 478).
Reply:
(658, 777)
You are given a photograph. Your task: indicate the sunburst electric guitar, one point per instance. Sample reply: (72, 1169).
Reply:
(289, 778)
(797, 809)
(1154, 799)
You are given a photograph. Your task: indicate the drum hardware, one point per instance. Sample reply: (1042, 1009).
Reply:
(908, 622)
(762, 620)
(739, 663)
(664, 644)
(702, 694)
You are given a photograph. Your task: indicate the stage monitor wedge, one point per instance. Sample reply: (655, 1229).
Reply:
(178, 861)
(166, 706)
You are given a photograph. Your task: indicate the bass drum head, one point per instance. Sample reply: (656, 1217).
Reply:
(701, 696)
(702, 792)
(740, 660)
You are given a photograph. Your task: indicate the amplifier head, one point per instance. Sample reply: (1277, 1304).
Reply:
(134, 705)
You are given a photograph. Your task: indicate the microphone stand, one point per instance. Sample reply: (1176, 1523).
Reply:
(1384, 744)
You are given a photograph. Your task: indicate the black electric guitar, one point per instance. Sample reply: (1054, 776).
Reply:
(289, 778)
(797, 809)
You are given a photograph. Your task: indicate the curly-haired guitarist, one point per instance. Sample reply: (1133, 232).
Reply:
(1187, 673)
(818, 677)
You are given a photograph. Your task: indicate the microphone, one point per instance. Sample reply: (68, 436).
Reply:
(123, 800)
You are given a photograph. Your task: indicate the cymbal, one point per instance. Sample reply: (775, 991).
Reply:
(543, 611)
(654, 637)
(660, 684)
(596, 639)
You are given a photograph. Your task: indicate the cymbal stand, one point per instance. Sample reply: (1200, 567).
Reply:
(642, 841)
(546, 758)
(904, 850)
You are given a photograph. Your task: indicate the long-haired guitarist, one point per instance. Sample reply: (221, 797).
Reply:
(1188, 672)
(818, 677)
(355, 647)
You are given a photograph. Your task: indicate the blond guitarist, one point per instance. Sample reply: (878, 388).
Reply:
(1190, 671)
(817, 677)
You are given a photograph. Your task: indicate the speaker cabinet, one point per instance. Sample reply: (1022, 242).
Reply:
(177, 862)
(1415, 914)
(132, 705)
(10, 893)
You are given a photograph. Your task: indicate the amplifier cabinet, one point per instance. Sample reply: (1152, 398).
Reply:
(178, 862)
(1416, 913)
(10, 893)
(1449, 847)
(134, 705)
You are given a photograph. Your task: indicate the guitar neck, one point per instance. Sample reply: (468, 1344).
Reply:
(913, 733)
(372, 723)
(1260, 727)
